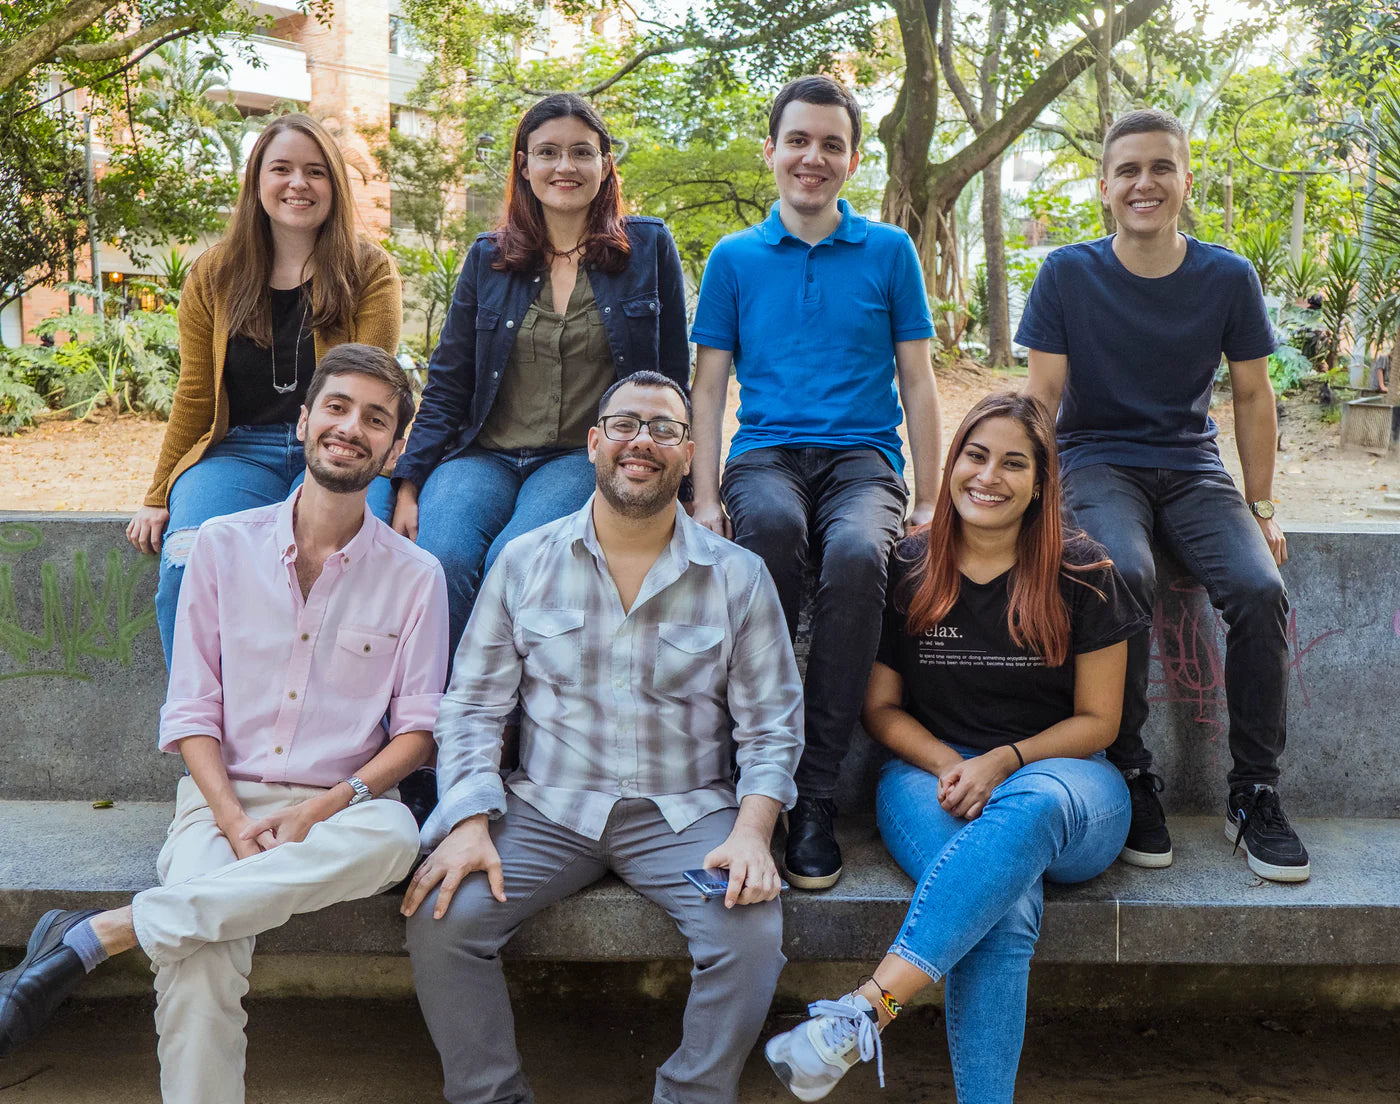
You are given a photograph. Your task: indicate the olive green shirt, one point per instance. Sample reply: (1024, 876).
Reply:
(557, 371)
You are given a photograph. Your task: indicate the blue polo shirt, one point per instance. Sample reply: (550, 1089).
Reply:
(813, 330)
(1143, 351)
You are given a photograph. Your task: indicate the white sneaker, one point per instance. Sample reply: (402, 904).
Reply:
(814, 1055)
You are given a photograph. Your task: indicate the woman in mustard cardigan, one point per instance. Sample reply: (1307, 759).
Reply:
(290, 279)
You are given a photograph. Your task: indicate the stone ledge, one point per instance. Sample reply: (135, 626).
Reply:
(1207, 909)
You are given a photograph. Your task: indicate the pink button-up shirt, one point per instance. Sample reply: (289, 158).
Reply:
(296, 689)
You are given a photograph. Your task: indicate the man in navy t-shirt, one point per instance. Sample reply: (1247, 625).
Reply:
(820, 312)
(1126, 334)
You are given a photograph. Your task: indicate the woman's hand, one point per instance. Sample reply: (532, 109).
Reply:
(964, 790)
(406, 510)
(144, 531)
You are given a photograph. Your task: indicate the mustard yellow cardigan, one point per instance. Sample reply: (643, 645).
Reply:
(199, 413)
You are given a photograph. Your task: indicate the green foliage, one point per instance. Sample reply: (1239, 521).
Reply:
(20, 403)
(1379, 296)
(1341, 278)
(1263, 247)
(431, 276)
(1288, 368)
(979, 307)
(1021, 271)
(1298, 281)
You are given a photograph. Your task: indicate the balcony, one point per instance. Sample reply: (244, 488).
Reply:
(281, 74)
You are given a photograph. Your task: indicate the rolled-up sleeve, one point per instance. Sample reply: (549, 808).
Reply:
(422, 661)
(194, 701)
(486, 676)
(765, 698)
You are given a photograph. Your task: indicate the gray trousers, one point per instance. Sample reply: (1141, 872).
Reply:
(737, 952)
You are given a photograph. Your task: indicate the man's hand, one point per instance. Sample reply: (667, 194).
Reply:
(145, 529)
(753, 877)
(920, 515)
(466, 849)
(233, 826)
(288, 825)
(712, 516)
(1278, 543)
(964, 790)
(406, 511)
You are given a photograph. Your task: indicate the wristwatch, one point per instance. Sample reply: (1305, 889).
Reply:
(1263, 509)
(361, 790)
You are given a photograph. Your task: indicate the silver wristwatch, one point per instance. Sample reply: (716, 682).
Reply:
(1263, 509)
(361, 790)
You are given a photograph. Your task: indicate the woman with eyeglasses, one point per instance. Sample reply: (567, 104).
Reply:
(567, 296)
(291, 279)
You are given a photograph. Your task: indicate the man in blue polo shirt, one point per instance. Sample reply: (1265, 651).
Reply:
(1126, 335)
(820, 312)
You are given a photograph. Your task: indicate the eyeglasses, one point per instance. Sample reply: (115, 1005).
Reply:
(625, 427)
(581, 154)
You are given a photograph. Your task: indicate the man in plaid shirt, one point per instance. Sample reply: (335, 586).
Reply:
(648, 656)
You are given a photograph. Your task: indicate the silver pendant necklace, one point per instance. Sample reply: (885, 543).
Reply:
(288, 388)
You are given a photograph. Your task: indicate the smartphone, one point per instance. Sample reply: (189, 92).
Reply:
(713, 883)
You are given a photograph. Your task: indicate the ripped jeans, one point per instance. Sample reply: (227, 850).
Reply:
(975, 915)
(254, 465)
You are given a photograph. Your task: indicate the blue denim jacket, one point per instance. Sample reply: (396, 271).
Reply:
(643, 309)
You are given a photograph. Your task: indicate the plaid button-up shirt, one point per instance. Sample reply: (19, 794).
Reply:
(660, 702)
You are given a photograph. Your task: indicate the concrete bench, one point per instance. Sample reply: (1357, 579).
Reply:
(81, 681)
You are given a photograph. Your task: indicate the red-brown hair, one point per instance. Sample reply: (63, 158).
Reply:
(522, 238)
(1036, 615)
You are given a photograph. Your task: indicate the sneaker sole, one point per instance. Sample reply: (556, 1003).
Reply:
(825, 881)
(783, 1072)
(1267, 870)
(1148, 860)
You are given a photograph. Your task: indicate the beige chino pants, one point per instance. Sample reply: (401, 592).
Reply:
(198, 926)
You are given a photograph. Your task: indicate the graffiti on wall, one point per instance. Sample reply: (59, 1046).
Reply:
(1186, 641)
(63, 633)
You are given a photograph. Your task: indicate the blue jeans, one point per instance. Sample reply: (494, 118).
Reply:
(1202, 520)
(252, 466)
(474, 505)
(975, 915)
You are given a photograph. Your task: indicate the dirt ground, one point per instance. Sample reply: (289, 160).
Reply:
(67, 465)
(348, 1052)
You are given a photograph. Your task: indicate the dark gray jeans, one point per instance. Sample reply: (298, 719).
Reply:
(841, 510)
(1202, 520)
(462, 990)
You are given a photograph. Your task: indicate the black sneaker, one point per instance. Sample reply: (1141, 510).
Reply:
(811, 859)
(1254, 820)
(1149, 843)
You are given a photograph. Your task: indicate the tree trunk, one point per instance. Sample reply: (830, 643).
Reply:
(38, 46)
(1103, 89)
(1392, 372)
(998, 295)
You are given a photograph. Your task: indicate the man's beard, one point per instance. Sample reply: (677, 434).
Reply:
(644, 503)
(339, 481)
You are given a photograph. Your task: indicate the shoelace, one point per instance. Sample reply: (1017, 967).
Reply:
(844, 1020)
(1265, 806)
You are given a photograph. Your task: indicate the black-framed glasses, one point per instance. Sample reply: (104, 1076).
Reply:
(627, 427)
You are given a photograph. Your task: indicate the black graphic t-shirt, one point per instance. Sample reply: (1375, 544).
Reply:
(967, 682)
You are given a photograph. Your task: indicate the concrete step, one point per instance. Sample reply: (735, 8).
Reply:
(1207, 908)
(1386, 510)
(1392, 498)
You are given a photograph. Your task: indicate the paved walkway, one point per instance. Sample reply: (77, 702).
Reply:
(358, 1052)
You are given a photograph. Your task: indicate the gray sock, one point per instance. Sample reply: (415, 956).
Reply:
(85, 944)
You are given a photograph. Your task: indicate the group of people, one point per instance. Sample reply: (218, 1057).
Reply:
(320, 577)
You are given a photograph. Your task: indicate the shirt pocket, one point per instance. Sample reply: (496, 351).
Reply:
(597, 349)
(643, 315)
(552, 643)
(687, 658)
(487, 319)
(363, 662)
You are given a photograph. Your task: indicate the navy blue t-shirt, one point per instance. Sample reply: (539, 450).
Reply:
(1143, 352)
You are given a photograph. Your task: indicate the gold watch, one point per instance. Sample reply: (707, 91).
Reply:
(1263, 509)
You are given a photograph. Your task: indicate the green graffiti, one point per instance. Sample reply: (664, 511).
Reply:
(99, 623)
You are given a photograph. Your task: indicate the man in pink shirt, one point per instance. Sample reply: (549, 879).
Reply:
(300, 627)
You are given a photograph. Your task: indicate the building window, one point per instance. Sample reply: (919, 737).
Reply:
(395, 33)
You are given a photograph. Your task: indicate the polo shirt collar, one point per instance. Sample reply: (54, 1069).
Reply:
(852, 228)
(358, 545)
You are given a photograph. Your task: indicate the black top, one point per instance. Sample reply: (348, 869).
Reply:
(250, 372)
(967, 682)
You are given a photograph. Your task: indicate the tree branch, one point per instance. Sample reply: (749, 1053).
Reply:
(716, 43)
(1068, 135)
(122, 47)
(130, 62)
(38, 46)
(950, 71)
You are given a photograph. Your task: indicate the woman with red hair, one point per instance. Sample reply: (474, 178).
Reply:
(567, 296)
(998, 684)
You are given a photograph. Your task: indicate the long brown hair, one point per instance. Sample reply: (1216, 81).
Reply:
(1036, 615)
(245, 267)
(522, 238)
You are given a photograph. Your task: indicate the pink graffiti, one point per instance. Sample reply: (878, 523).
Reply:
(1186, 635)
